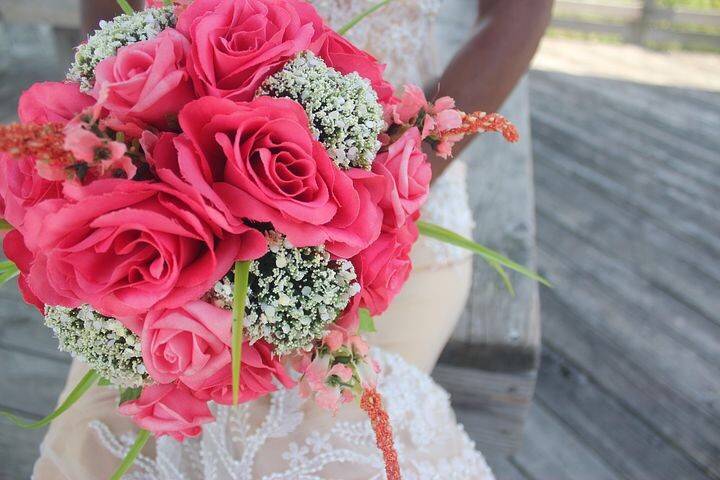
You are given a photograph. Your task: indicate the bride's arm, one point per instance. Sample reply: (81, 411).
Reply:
(489, 65)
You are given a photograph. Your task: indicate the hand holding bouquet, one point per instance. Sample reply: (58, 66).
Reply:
(216, 203)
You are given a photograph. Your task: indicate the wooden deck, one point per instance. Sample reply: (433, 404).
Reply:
(627, 185)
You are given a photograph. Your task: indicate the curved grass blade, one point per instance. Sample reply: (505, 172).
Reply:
(126, 7)
(448, 236)
(83, 386)
(344, 29)
(8, 271)
(242, 272)
(131, 456)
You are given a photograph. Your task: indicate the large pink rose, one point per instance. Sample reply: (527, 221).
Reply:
(259, 161)
(189, 342)
(408, 173)
(21, 187)
(168, 409)
(126, 246)
(237, 44)
(259, 368)
(52, 102)
(343, 56)
(146, 82)
(384, 267)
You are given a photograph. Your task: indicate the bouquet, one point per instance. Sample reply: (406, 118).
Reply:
(215, 205)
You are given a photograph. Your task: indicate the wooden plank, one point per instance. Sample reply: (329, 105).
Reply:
(551, 450)
(614, 12)
(62, 13)
(505, 210)
(18, 451)
(30, 385)
(632, 377)
(658, 258)
(492, 406)
(617, 435)
(504, 469)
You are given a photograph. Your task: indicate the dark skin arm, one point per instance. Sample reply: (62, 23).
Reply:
(92, 11)
(482, 74)
(490, 64)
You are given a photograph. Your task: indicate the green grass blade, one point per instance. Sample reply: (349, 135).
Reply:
(503, 276)
(140, 441)
(125, 7)
(447, 236)
(344, 29)
(8, 271)
(83, 386)
(242, 272)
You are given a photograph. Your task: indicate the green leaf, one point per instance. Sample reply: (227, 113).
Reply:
(125, 7)
(104, 382)
(129, 394)
(367, 324)
(8, 271)
(495, 259)
(344, 29)
(167, 3)
(142, 438)
(83, 386)
(242, 273)
(4, 225)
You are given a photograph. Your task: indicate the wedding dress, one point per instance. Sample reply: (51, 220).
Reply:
(283, 437)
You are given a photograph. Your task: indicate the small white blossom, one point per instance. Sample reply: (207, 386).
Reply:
(111, 36)
(292, 306)
(344, 112)
(105, 344)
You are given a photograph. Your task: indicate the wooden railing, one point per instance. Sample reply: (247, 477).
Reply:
(645, 23)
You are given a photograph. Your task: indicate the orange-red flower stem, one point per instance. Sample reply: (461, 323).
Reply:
(371, 402)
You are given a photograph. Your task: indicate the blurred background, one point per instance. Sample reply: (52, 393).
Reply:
(621, 172)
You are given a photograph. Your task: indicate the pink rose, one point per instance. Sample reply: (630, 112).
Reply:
(188, 343)
(146, 82)
(16, 251)
(52, 102)
(168, 409)
(126, 246)
(408, 173)
(259, 161)
(343, 56)
(237, 44)
(384, 267)
(259, 368)
(21, 187)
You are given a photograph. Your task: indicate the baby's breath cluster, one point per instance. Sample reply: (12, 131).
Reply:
(122, 30)
(294, 294)
(104, 343)
(343, 110)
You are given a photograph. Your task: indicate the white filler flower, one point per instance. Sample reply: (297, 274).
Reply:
(105, 344)
(294, 294)
(120, 31)
(343, 110)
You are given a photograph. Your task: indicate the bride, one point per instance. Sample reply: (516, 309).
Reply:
(482, 48)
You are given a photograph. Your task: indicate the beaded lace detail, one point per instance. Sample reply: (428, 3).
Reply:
(276, 440)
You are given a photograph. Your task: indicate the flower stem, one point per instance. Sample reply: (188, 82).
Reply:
(83, 386)
(140, 441)
(242, 272)
(125, 7)
(344, 29)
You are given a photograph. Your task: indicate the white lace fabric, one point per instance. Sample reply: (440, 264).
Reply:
(285, 437)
